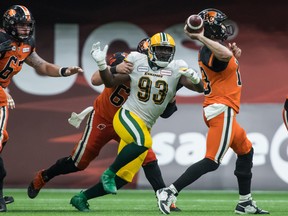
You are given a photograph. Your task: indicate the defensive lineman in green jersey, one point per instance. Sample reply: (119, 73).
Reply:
(153, 82)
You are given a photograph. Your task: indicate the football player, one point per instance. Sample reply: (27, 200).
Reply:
(17, 46)
(222, 82)
(97, 133)
(285, 113)
(153, 82)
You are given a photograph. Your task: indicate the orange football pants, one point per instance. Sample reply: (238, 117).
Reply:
(4, 113)
(97, 133)
(224, 132)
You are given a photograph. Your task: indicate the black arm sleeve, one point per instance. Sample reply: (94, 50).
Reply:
(170, 109)
(217, 65)
(286, 104)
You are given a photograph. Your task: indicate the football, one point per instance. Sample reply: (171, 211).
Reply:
(194, 24)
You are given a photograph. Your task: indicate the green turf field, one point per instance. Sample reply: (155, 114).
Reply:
(140, 202)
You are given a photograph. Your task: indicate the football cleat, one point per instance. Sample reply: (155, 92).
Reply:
(174, 208)
(36, 185)
(249, 207)
(2, 205)
(108, 181)
(165, 198)
(79, 201)
(8, 199)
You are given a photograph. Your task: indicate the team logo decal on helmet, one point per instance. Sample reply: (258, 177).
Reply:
(11, 12)
(161, 49)
(143, 46)
(214, 24)
(117, 58)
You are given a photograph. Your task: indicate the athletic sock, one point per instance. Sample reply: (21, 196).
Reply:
(173, 189)
(62, 166)
(244, 198)
(153, 174)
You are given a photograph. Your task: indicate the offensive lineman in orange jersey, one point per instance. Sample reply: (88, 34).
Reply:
(98, 132)
(222, 83)
(285, 113)
(17, 46)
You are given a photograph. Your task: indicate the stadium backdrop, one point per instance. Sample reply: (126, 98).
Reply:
(38, 127)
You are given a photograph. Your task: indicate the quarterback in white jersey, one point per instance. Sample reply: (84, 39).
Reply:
(153, 83)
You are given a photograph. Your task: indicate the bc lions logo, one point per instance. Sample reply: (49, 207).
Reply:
(101, 126)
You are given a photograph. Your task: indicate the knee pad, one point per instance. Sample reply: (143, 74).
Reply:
(244, 164)
(150, 163)
(150, 157)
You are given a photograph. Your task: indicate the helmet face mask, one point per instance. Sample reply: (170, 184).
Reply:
(161, 49)
(214, 24)
(163, 53)
(18, 22)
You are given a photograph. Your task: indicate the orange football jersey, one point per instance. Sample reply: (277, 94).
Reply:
(216, 75)
(110, 100)
(12, 61)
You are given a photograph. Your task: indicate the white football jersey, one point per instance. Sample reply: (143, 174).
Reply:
(151, 90)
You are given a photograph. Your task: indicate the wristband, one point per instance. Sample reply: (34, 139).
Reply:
(195, 80)
(102, 65)
(62, 71)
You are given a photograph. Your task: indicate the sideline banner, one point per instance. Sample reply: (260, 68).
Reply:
(180, 141)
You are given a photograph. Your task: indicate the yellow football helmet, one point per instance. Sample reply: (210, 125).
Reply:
(161, 49)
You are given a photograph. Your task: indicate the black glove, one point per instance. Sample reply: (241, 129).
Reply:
(6, 46)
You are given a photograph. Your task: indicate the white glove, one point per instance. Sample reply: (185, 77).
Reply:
(190, 74)
(76, 119)
(99, 56)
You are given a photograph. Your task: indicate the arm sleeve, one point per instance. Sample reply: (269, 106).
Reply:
(170, 109)
(286, 105)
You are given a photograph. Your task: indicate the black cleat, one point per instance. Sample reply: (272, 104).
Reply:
(8, 199)
(3, 207)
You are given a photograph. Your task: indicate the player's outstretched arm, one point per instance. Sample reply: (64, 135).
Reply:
(43, 67)
(122, 68)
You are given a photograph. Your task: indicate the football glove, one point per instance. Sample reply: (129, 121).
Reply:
(6, 46)
(99, 56)
(190, 74)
